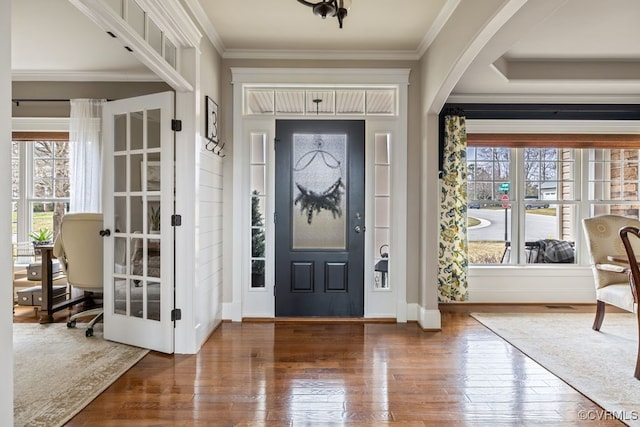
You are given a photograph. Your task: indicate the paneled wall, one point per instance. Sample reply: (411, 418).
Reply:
(210, 234)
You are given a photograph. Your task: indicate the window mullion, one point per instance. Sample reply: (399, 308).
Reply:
(517, 209)
(26, 180)
(584, 170)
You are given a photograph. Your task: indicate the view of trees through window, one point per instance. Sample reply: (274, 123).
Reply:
(40, 186)
(520, 198)
(503, 181)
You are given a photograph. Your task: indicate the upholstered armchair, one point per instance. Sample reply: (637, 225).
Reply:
(613, 280)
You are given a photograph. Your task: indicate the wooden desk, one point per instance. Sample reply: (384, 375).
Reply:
(46, 310)
(48, 307)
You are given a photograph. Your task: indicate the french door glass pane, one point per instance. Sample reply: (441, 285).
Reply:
(153, 128)
(136, 133)
(137, 214)
(120, 132)
(153, 301)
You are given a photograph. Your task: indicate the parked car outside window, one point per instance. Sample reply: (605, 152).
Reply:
(528, 203)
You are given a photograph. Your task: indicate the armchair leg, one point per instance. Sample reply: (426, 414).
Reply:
(599, 316)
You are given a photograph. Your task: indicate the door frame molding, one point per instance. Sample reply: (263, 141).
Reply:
(260, 303)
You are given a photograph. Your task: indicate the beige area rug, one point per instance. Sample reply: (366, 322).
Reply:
(599, 365)
(58, 371)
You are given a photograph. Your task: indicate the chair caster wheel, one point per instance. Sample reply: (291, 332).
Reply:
(71, 324)
(89, 332)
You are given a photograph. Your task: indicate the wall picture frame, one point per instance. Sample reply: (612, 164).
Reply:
(211, 130)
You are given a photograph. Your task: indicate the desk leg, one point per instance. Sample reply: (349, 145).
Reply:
(46, 315)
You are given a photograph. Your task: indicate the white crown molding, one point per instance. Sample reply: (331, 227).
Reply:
(608, 70)
(174, 21)
(40, 124)
(320, 77)
(83, 76)
(438, 23)
(371, 55)
(203, 20)
(528, 98)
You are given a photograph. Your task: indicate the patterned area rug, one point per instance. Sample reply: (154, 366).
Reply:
(58, 371)
(599, 365)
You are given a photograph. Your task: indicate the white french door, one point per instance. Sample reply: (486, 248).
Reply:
(138, 201)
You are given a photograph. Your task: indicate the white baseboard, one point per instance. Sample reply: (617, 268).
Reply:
(412, 311)
(429, 319)
(231, 311)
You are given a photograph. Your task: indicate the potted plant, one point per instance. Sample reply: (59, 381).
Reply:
(42, 237)
(154, 219)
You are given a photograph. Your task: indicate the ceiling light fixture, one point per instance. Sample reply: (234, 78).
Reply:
(330, 8)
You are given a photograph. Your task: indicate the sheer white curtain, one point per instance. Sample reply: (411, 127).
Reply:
(85, 155)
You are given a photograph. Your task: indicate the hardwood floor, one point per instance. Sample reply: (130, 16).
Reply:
(312, 374)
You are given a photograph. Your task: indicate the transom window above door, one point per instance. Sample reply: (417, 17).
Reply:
(327, 102)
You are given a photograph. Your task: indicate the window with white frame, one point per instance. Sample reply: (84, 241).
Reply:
(613, 181)
(40, 184)
(382, 201)
(258, 209)
(526, 203)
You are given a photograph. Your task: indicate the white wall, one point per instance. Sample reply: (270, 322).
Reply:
(535, 284)
(462, 38)
(413, 161)
(208, 290)
(6, 292)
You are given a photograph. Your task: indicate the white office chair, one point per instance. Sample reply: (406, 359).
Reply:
(78, 247)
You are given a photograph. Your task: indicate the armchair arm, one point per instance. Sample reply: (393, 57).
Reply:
(613, 268)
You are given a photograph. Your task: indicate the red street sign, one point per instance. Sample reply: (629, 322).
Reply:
(505, 205)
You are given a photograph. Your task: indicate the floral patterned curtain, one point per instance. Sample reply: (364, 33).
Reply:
(453, 250)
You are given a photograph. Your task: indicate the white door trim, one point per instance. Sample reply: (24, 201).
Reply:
(245, 303)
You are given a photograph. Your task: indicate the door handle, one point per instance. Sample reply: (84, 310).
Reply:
(358, 229)
(105, 233)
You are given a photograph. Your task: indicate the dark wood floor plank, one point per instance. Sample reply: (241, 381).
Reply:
(325, 374)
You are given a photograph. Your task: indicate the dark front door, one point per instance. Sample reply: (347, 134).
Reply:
(319, 218)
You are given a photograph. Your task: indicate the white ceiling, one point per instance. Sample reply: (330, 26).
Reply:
(52, 40)
(574, 49)
(371, 25)
(550, 48)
